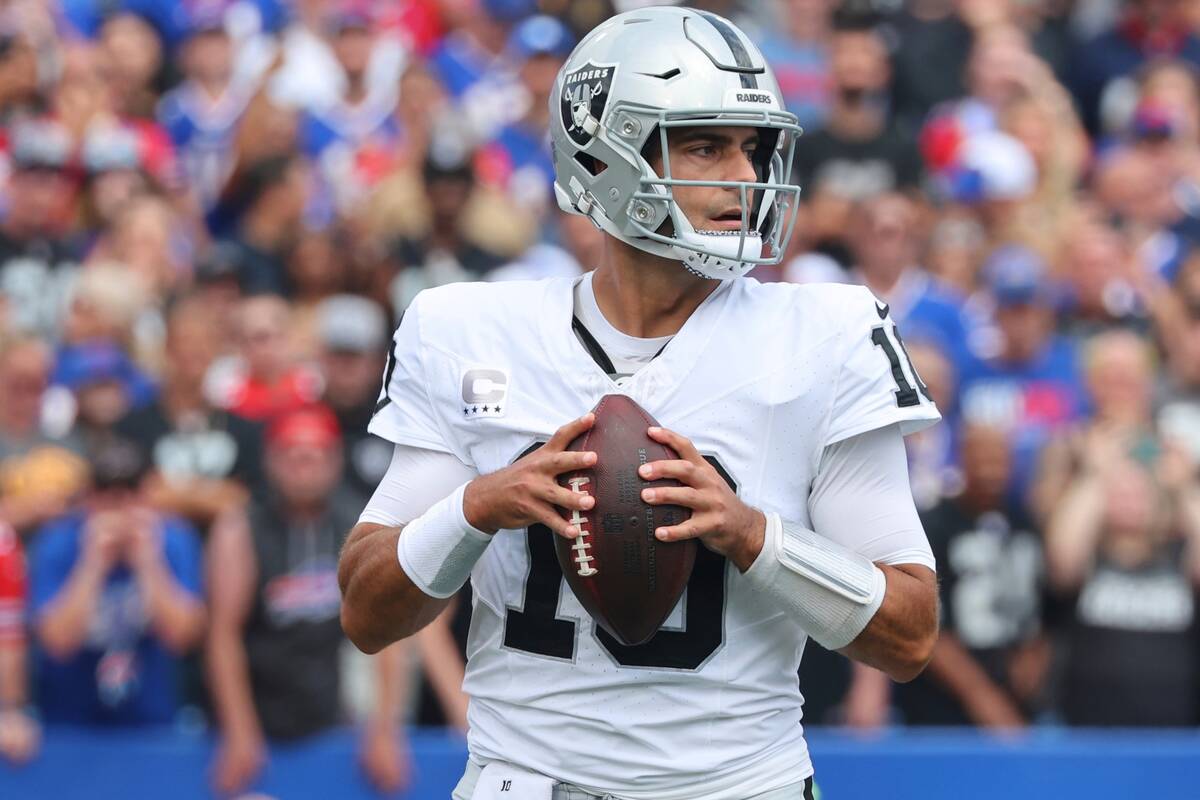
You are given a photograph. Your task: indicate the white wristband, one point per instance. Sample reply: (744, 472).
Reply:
(438, 549)
(832, 591)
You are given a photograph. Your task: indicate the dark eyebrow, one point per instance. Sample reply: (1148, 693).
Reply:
(688, 137)
(712, 137)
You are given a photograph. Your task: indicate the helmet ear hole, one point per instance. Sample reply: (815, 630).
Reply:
(593, 165)
(652, 151)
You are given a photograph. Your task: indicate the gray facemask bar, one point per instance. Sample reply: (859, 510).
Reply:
(785, 197)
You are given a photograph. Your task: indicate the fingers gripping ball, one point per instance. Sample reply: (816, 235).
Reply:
(625, 578)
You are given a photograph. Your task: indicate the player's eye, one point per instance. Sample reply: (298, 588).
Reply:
(704, 151)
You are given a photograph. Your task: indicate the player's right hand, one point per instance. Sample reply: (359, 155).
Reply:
(526, 492)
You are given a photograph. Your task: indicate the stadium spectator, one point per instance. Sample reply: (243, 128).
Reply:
(1121, 550)
(798, 52)
(351, 139)
(318, 268)
(272, 657)
(886, 248)
(115, 601)
(993, 178)
(19, 734)
(204, 459)
(424, 107)
(132, 50)
(148, 239)
(353, 338)
(104, 383)
(41, 465)
(1119, 374)
(933, 469)
(446, 252)
(18, 76)
(1141, 184)
(929, 68)
(1001, 70)
(202, 112)
(1179, 330)
(990, 657)
(1102, 274)
(1170, 85)
(115, 174)
(957, 247)
(1042, 119)
(268, 129)
(1147, 29)
(537, 47)
(216, 284)
(1031, 387)
(577, 251)
(268, 200)
(858, 151)
(106, 303)
(264, 378)
(36, 265)
(472, 49)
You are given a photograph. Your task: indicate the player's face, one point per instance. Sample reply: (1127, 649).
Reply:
(711, 154)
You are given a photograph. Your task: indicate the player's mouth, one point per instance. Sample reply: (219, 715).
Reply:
(727, 221)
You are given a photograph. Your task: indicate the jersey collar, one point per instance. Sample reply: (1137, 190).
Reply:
(654, 383)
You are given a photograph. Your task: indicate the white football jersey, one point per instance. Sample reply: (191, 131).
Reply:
(762, 378)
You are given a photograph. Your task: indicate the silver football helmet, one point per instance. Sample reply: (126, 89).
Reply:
(640, 74)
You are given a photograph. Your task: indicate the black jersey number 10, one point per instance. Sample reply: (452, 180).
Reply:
(906, 395)
(535, 628)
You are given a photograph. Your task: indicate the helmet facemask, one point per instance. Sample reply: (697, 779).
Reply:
(768, 205)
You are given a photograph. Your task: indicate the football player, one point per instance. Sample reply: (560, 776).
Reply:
(786, 404)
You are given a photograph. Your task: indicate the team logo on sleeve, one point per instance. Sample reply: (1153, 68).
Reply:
(484, 392)
(584, 95)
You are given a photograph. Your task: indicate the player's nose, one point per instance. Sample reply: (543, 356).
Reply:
(741, 168)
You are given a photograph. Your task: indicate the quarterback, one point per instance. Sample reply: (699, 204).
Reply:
(787, 406)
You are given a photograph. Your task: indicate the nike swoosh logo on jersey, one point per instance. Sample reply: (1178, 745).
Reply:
(881, 310)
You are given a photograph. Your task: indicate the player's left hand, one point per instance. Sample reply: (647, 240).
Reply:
(719, 518)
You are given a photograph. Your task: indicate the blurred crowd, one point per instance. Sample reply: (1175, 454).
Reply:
(212, 215)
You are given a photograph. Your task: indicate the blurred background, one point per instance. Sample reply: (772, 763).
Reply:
(212, 215)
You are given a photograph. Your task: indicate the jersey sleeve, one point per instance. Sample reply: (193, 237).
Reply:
(877, 384)
(406, 413)
(862, 500)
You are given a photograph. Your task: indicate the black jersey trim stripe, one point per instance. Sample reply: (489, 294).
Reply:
(593, 347)
(741, 56)
(387, 376)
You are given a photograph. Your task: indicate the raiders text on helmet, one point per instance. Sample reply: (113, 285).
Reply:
(641, 74)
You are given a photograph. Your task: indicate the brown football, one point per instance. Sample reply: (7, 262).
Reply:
(625, 578)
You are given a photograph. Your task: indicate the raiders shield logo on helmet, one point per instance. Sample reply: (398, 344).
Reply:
(585, 91)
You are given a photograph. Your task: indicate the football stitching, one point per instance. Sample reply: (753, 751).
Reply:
(581, 545)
